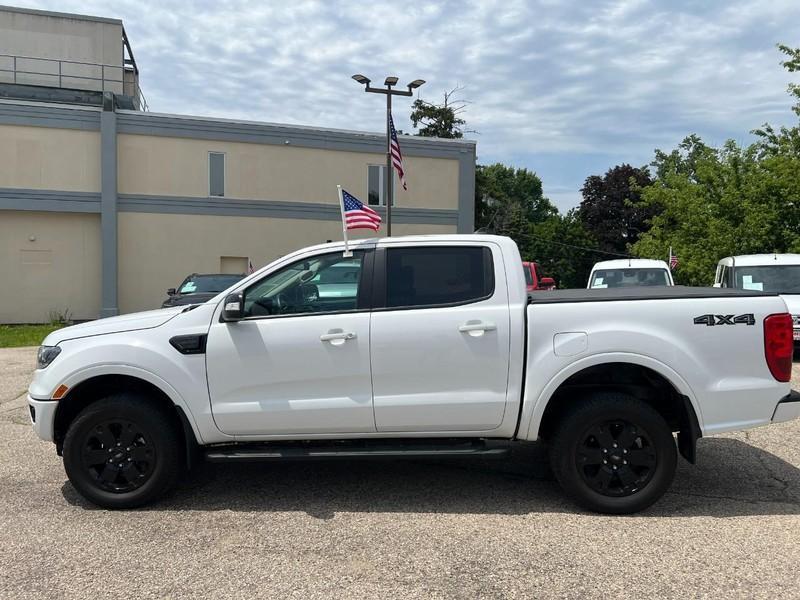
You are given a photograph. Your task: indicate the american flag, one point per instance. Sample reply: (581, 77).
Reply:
(358, 216)
(673, 262)
(397, 158)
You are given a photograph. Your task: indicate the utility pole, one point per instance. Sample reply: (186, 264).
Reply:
(390, 82)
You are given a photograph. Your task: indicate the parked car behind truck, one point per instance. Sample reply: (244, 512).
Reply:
(630, 272)
(778, 273)
(534, 281)
(199, 287)
(438, 353)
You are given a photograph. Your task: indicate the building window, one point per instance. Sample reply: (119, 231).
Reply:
(216, 174)
(376, 186)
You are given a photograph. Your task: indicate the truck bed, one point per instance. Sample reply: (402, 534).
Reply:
(639, 293)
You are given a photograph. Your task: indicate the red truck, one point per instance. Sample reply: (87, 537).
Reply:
(534, 282)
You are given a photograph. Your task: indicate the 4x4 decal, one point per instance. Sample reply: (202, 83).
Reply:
(710, 320)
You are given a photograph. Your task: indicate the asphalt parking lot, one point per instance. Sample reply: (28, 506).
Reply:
(730, 526)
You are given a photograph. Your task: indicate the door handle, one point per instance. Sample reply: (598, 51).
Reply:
(332, 336)
(476, 327)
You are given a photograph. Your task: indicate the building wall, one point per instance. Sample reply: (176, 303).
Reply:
(157, 165)
(156, 251)
(155, 211)
(55, 36)
(49, 158)
(49, 263)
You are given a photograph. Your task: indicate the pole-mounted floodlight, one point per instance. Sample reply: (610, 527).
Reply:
(390, 82)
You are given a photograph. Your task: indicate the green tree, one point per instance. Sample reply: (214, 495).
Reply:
(718, 202)
(792, 64)
(439, 120)
(564, 249)
(715, 202)
(509, 200)
(612, 209)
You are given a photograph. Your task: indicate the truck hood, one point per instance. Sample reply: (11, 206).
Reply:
(130, 322)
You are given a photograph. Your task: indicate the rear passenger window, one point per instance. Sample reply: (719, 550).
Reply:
(435, 276)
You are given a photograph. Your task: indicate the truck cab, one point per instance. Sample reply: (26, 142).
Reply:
(629, 272)
(779, 273)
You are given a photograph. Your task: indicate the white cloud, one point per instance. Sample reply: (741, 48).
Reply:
(589, 84)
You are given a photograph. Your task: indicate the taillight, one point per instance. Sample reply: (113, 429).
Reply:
(779, 345)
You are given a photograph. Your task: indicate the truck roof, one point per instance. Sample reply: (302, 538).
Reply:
(631, 263)
(752, 260)
(404, 239)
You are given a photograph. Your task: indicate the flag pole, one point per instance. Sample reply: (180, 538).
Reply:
(347, 252)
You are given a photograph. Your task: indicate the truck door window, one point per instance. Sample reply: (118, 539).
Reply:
(320, 284)
(438, 276)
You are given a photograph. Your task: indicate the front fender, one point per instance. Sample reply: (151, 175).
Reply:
(83, 375)
(533, 418)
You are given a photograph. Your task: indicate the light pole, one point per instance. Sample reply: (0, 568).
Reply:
(390, 82)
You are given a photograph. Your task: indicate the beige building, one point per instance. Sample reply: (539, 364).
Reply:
(103, 206)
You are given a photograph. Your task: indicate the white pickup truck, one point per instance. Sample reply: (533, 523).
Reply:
(411, 347)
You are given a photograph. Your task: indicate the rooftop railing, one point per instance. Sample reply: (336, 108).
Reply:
(72, 74)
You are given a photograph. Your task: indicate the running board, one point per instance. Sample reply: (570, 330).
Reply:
(275, 452)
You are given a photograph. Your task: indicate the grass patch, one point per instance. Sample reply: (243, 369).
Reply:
(14, 336)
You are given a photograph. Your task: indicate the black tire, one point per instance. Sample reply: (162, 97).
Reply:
(123, 451)
(613, 454)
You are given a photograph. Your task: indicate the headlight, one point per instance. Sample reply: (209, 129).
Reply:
(46, 355)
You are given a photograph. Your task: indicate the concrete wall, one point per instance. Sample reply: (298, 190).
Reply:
(49, 158)
(50, 263)
(156, 251)
(154, 165)
(45, 35)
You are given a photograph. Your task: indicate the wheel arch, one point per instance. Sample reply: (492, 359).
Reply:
(641, 376)
(86, 387)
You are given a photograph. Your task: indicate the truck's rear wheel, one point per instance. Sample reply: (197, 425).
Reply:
(122, 452)
(613, 454)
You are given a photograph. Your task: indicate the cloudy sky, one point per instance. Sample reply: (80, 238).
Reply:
(567, 89)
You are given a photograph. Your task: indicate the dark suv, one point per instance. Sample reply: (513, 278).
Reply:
(197, 288)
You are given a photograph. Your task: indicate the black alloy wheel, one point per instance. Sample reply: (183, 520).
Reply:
(124, 451)
(118, 455)
(615, 458)
(613, 453)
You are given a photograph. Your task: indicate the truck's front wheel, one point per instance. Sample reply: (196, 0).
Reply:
(122, 452)
(613, 454)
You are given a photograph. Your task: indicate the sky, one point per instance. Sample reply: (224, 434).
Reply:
(564, 88)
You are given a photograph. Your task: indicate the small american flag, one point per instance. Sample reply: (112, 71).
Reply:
(673, 262)
(397, 157)
(358, 216)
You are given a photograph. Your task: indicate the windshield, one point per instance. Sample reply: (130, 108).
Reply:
(208, 283)
(615, 278)
(784, 279)
(528, 276)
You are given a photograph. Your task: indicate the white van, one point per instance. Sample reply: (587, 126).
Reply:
(765, 272)
(630, 272)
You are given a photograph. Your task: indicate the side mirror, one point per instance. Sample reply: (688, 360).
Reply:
(171, 292)
(547, 282)
(233, 308)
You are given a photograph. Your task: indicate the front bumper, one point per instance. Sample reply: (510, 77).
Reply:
(788, 408)
(43, 414)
